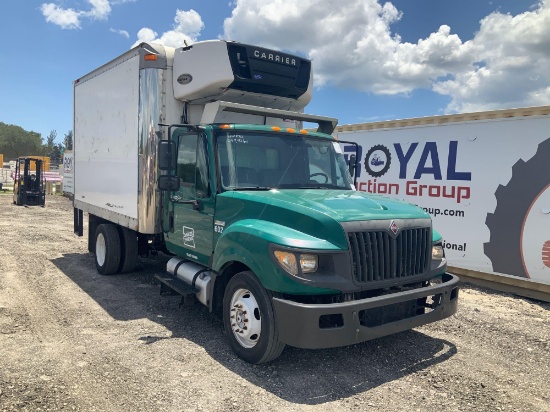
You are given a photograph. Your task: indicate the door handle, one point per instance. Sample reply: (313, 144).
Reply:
(196, 203)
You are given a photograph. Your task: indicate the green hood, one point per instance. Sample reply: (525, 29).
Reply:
(313, 212)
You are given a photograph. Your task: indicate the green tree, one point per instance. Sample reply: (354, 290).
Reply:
(50, 141)
(54, 151)
(56, 155)
(16, 142)
(68, 141)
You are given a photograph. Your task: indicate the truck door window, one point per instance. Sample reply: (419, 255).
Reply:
(202, 178)
(187, 159)
(192, 165)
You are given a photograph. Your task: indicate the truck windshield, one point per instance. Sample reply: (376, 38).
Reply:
(263, 161)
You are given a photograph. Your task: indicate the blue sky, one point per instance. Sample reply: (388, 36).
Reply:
(373, 60)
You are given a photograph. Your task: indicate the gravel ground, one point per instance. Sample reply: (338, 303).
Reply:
(71, 339)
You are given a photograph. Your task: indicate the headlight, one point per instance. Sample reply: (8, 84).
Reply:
(437, 252)
(308, 263)
(288, 261)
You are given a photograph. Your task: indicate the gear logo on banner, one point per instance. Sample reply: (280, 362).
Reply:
(377, 160)
(520, 225)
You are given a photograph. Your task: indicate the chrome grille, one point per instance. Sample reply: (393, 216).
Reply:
(379, 256)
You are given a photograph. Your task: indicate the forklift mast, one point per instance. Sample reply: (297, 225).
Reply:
(29, 182)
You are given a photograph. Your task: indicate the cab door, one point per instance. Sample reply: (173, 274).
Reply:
(192, 206)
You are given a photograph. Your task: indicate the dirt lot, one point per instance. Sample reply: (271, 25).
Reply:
(71, 339)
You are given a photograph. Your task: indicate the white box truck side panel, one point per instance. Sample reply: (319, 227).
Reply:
(117, 111)
(106, 141)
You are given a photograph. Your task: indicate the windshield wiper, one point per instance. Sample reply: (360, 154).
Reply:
(321, 186)
(251, 188)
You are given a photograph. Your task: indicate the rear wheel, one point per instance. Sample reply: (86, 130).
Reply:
(249, 320)
(107, 249)
(129, 250)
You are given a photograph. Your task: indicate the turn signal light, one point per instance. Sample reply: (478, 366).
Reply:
(287, 261)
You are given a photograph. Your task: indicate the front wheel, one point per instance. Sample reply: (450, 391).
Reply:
(249, 320)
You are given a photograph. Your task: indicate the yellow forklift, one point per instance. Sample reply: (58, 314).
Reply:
(29, 182)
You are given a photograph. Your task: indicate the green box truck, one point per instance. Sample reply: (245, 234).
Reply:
(200, 152)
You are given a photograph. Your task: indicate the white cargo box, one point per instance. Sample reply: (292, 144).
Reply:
(117, 109)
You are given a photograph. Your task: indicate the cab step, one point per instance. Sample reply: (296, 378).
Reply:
(171, 285)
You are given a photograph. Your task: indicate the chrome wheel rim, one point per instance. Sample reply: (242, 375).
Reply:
(245, 318)
(100, 249)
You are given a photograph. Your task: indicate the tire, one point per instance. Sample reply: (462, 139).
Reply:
(107, 249)
(514, 201)
(249, 320)
(129, 250)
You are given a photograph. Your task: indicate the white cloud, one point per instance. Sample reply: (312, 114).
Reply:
(513, 64)
(100, 9)
(121, 32)
(506, 63)
(187, 28)
(71, 18)
(145, 35)
(352, 44)
(65, 18)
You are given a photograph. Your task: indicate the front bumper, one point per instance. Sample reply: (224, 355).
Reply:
(304, 325)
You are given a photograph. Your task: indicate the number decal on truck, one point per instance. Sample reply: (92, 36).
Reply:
(219, 226)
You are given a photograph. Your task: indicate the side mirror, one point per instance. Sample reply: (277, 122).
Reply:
(352, 164)
(167, 155)
(168, 183)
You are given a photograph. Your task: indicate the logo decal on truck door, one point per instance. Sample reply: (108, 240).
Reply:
(189, 237)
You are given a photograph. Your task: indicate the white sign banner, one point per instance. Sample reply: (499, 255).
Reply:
(68, 172)
(486, 184)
